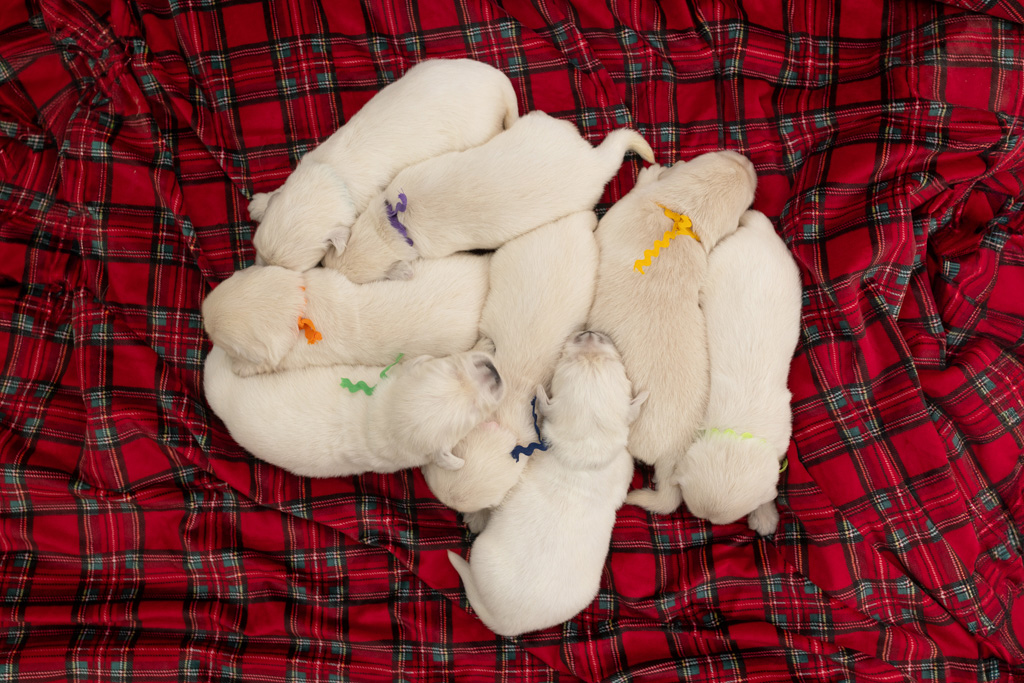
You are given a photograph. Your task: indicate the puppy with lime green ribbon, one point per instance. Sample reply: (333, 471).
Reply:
(751, 300)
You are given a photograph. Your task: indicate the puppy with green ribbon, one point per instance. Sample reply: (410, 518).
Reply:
(308, 423)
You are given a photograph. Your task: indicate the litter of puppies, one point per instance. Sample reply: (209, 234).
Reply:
(676, 354)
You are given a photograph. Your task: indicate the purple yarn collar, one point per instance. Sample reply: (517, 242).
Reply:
(393, 212)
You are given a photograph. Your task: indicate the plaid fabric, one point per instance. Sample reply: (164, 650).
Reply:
(139, 543)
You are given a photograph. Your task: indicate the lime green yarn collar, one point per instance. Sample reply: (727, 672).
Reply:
(744, 436)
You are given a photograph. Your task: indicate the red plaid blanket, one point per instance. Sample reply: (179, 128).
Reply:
(139, 543)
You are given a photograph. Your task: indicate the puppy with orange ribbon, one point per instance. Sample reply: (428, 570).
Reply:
(268, 318)
(654, 246)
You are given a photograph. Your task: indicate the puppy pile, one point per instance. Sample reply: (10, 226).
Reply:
(368, 339)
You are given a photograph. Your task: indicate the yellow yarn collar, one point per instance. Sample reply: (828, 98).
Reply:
(681, 225)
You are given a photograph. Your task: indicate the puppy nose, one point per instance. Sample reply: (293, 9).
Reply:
(589, 336)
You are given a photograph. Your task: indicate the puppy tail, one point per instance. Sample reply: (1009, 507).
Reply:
(475, 601)
(668, 495)
(662, 501)
(511, 103)
(618, 142)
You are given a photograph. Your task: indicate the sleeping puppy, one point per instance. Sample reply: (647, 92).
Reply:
(438, 106)
(255, 315)
(751, 301)
(539, 561)
(306, 422)
(542, 286)
(539, 170)
(654, 317)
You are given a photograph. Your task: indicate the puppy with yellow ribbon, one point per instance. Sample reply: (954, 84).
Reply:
(681, 225)
(654, 246)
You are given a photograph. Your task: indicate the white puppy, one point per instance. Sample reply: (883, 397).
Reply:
(255, 315)
(654, 317)
(539, 170)
(542, 286)
(539, 561)
(438, 106)
(306, 422)
(751, 300)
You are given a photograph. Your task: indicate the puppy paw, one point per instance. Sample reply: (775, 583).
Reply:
(447, 460)
(765, 519)
(485, 344)
(338, 238)
(476, 521)
(648, 175)
(244, 368)
(258, 205)
(399, 270)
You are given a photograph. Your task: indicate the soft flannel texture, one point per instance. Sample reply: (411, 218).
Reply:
(138, 542)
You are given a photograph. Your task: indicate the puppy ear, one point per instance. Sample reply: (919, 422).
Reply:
(634, 405)
(258, 205)
(543, 402)
(399, 270)
(418, 359)
(447, 460)
(338, 238)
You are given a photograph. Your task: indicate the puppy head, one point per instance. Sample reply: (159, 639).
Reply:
(429, 404)
(713, 190)
(488, 474)
(725, 478)
(302, 217)
(592, 397)
(253, 315)
(373, 251)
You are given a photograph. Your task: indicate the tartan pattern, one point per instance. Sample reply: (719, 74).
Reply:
(140, 543)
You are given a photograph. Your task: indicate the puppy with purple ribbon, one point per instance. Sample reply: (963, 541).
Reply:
(536, 172)
(307, 421)
(542, 286)
(540, 558)
(438, 106)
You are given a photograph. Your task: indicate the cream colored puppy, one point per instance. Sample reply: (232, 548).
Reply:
(305, 422)
(542, 286)
(654, 317)
(539, 561)
(539, 170)
(438, 106)
(751, 300)
(255, 315)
